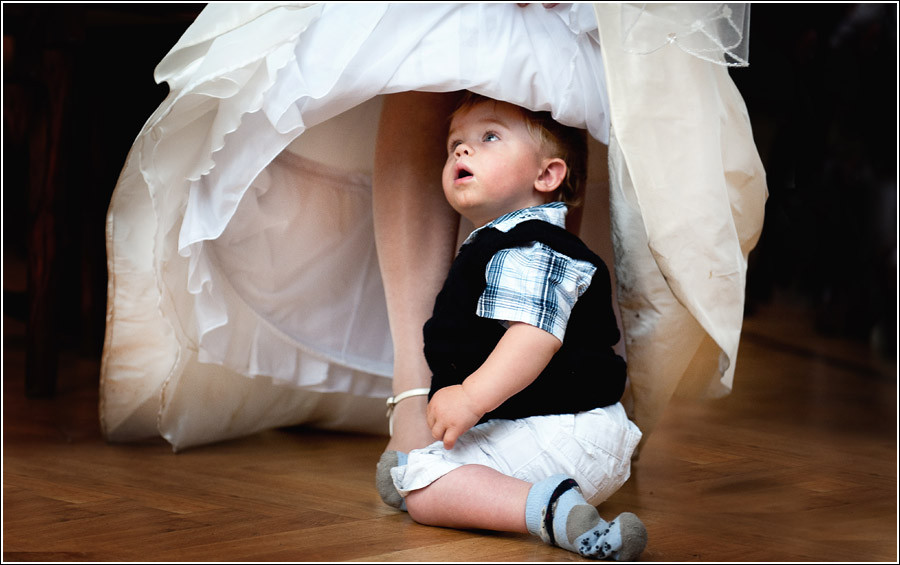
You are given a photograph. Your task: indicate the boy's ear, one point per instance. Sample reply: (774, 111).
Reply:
(552, 174)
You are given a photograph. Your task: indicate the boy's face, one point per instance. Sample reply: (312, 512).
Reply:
(492, 163)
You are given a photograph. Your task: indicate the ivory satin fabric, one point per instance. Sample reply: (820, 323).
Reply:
(244, 290)
(687, 200)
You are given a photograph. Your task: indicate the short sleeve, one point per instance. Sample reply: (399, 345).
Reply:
(536, 285)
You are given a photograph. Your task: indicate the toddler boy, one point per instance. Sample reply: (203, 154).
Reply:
(524, 399)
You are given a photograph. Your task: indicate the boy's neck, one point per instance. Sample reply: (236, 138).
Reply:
(503, 215)
(482, 223)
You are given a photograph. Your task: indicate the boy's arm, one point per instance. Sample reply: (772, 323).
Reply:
(520, 356)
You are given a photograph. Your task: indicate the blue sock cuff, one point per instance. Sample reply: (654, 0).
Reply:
(536, 505)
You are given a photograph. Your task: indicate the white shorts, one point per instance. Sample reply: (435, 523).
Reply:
(594, 448)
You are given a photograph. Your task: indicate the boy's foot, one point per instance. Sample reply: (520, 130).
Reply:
(385, 483)
(558, 514)
(623, 539)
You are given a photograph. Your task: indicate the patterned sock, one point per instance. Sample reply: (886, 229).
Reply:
(385, 483)
(557, 513)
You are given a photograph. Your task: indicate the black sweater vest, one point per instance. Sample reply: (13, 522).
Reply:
(584, 374)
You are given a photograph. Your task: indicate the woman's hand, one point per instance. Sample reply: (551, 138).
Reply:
(451, 413)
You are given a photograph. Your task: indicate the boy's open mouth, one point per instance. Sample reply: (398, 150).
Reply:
(462, 173)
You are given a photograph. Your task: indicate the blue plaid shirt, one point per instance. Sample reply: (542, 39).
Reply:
(533, 283)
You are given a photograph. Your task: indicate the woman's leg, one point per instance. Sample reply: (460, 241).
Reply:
(415, 234)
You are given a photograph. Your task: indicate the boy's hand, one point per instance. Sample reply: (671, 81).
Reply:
(520, 356)
(451, 413)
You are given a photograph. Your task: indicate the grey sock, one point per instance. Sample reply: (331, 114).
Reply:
(634, 537)
(622, 539)
(385, 483)
(557, 512)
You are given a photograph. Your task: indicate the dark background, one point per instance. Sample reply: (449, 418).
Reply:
(821, 90)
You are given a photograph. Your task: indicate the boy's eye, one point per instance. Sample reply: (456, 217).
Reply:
(452, 146)
(490, 136)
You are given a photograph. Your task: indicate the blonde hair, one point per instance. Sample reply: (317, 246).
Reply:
(564, 142)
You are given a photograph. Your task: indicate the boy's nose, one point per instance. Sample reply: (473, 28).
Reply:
(462, 149)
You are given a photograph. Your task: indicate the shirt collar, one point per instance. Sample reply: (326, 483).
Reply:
(552, 212)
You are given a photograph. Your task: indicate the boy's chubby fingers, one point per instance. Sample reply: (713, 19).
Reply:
(450, 437)
(442, 432)
(437, 430)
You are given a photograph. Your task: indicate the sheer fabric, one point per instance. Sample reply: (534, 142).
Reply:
(715, 32)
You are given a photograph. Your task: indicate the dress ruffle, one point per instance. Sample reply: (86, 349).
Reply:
(244, 290)
(229, 255)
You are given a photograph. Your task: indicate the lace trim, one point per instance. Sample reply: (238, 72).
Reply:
(718, 33)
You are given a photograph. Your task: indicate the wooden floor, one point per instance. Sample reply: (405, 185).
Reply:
(798, 464)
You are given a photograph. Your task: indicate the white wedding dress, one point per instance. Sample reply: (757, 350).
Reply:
(244, 287)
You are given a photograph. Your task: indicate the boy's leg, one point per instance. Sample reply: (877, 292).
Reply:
(472, 496)
(478, 497)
